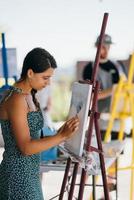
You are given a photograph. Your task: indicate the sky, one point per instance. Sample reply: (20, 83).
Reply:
(67, 28)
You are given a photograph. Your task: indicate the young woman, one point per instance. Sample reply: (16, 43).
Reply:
(21, 121)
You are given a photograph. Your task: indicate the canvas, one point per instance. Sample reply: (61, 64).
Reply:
(80, 101)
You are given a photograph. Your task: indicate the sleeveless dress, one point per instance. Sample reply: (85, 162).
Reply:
(19, 174)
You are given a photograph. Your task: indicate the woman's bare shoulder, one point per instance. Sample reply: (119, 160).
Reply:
(13, 105)
(16, 102)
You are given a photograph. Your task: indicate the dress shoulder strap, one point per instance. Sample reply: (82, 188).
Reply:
(8, 93)
(11, 90)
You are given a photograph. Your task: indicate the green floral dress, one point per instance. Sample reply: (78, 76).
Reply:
(19, 175)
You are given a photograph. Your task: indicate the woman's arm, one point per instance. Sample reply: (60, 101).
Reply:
(17, 114)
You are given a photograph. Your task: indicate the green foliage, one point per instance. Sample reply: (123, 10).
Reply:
(61, 96)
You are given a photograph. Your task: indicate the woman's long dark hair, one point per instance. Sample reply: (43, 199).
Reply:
(39, 60)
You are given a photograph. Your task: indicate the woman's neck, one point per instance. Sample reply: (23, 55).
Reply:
(24, 85)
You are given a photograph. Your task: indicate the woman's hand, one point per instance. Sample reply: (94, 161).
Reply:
(69, 128)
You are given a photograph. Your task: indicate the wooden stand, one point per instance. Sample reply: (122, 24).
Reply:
(94, 116)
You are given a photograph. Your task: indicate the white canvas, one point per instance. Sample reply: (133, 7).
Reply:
(80, 101)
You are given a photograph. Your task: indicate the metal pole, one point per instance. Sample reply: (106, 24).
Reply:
(4, 59)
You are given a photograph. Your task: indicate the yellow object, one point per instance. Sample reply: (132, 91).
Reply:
(123, 107)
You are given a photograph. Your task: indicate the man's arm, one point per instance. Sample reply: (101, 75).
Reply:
(105, 93)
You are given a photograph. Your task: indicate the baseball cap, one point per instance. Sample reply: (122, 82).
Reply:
(106, 40)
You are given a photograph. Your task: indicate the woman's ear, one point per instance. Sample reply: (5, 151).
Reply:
(30, 73)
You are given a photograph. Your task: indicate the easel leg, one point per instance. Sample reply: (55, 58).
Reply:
(94, 187)
(82, 184)
(116, 172)
(132, 162)
(132, 170)
(65, 179)
(102, 163)
(70, 197)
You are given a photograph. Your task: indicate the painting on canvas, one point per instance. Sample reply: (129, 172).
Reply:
(80, 102)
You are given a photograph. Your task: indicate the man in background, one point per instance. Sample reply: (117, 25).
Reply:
(109, 73)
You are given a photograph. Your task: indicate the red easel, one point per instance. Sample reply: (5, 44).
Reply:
(94, 116)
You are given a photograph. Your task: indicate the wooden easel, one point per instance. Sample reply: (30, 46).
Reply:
(124, 91)
(94, 116)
